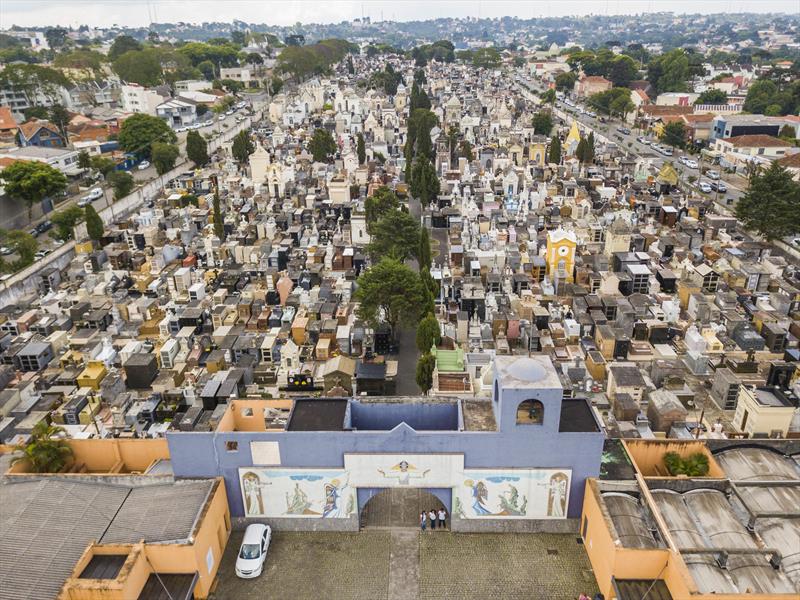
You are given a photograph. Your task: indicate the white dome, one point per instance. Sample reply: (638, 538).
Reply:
(526, 369)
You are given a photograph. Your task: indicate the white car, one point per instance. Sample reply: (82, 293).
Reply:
(253, 551)
(692, 164)
(704, 187)
(93, 195)
(143, 165)
(712, 174)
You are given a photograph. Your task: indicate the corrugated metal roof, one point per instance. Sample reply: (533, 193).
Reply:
(47, 524)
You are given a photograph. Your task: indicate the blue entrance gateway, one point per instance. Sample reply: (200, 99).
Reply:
(515, 462)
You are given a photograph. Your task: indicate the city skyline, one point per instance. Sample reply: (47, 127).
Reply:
(108, 13)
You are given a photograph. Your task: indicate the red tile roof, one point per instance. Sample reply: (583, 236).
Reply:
(7, 120)
(29, 128)
(757, 141)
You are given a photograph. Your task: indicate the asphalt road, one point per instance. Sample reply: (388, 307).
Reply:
(14, 215)
(630, 144)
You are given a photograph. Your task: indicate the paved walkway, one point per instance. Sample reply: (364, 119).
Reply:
(404, 565)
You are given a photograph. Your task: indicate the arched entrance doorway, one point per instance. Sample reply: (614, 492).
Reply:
(399, 507)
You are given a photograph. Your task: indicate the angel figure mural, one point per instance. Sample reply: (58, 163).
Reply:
(333, 495)
(480, 494)
(404, 472)
(253, 499)
(557, 496)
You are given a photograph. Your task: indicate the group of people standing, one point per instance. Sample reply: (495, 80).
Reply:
(433, 516)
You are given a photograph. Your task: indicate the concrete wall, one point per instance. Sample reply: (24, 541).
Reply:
(422, 416)
(204, 454)
(24, 282)
(648, 455)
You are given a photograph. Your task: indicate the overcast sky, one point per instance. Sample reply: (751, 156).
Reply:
(286, 12)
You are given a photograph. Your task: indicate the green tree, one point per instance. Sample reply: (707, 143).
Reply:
(771, 205)
(322, 145)
(208, 69)
(396, 235)
(465, 150)
(350, 68)
(46, 451)
(140, 66)
(549, 96)
(361, 149)
(64, 221)
(565, 82)
(196, 148)
(219, 222)
(164, 156)
(590, 147)
(424, 373)
(669, 72)
(543, 123)
(121, 45)
(554, 153)
(429, 333)
(424, 181)
(35, 112)
(393, 290)
(381, 203)
(424, 252)
(22, 244)
(242, 147)
(621, 70)
(712, 96)
(787, 133)
(239, 38)
(140, 131)
(674, 134)
(31, 182)
(122, 183)
(103, 165)
(94, 224)
(232, 86)
(84, 160)
(56, 37)
(486, 58)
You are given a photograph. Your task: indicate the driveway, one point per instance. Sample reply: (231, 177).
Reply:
(402, 564)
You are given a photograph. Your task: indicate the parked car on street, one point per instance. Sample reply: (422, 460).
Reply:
(93, 195)
(719, 186)
(711, 174)
(704, 187)
(253, 551)
(143, 165)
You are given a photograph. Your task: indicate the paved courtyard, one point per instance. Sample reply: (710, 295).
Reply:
(401, 564)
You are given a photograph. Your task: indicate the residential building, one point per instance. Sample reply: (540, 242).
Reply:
(177, 112)
(44, 134)
(592, 84)
(8, 128)
(62, 159)
(138, 99)
(730, 126)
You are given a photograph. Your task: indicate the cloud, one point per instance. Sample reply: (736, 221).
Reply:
(499, 479)
(105, 13)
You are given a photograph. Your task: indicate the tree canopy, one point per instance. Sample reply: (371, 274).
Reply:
(196, 148)
(122, 183)
(669, 71)
(140, 131)
(392, 292)
(674, 134)
(396, 235)
(429, 333)
(242, 147)
(543, 123)
(382, 202)
(423, 375)
(163, 156)
(140, 66)
(121, 45)
(94, 224)
(46, 451)
(712, 96)
(32, 181)
(322, 145)
(616, 101)
(771, 205)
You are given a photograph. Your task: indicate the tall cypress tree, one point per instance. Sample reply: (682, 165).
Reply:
(554, 156)
(219, 224)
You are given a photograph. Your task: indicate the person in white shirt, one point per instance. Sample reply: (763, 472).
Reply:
(442, 518)
(432, 517)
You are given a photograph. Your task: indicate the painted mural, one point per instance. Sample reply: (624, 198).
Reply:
(298, 493)
(512, 494)
(404, 470)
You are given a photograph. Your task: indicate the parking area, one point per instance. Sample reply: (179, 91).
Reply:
(344, 566)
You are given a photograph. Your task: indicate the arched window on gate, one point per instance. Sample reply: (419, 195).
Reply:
(530, 412)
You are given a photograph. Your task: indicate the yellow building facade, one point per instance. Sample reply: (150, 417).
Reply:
(560, 255)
